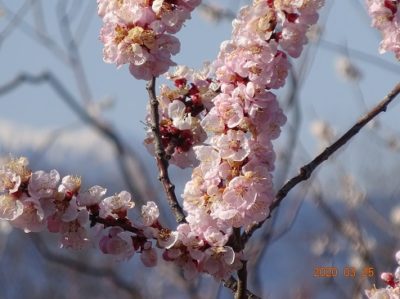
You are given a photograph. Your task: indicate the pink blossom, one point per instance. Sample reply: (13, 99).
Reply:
(233, 145)
(13, 173)
(208, 156)
(32, 218)
(215, 237)
(391, 40)
(183, 260)
(91, 197)
(392, 291)
(184, 159)
(10, 207)
(70, 211)
(219, 262)
(117, 205)
(139, 33)
(167, 238)
(73, 233)
(9, 181)
(148, 255)
(293, 38)
(43, 185)
(213, 122)
(386, 18)
(230, 110)
(70, 185)
(181, 120)
(117, 243)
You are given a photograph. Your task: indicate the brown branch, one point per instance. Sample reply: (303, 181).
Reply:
(162, 162)
(232, 284)
(125, 224)
(306, 171)
(242, 282)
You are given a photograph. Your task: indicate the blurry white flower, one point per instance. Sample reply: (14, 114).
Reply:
(395, 215)
(356, 261)
(347, 70)
(320, 245)
(314, 33)
(351, 191)
(323, 132)
(5, 227)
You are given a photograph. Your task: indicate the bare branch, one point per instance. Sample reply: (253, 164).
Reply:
(41, 37)
(50, 79)
(83, 268)
(242, 282)
(15, 20)
(73, 52)
(232, 284)
(306, 171)
(38, 15)
(371, 59)
(162, 162)
(353, 236)
(83, 25)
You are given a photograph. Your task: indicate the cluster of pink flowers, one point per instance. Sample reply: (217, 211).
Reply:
(139, 32)
(386, 18)
(392, 291)
(232, 186)
(36, 201)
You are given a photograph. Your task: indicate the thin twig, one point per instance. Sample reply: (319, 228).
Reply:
(83, 268)
(73, 52)
(306, 171)
(38, 15)
(162, 162)
(354, 238)
(41, 37)
(15, 20)
(84, 23)
(368, 58)
(104, 129)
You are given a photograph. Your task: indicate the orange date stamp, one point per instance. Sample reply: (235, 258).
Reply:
(347, 271)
